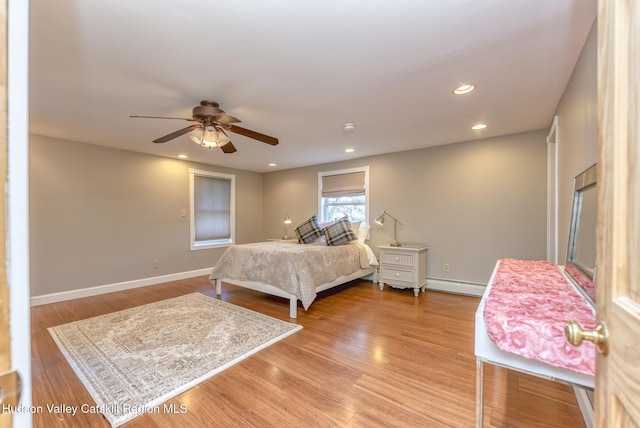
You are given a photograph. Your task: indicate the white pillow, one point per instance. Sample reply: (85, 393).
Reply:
(363, 232)
(355, 227)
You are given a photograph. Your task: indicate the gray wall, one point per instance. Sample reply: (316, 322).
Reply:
(101, 216)
(472, 203)
(578, 133)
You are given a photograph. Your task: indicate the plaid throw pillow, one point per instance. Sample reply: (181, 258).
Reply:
(308, 231)
(339, 233)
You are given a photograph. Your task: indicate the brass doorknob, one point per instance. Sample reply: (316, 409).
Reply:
(600, 335)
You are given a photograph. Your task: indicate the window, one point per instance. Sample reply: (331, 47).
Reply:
(344, 193)
(212, 209)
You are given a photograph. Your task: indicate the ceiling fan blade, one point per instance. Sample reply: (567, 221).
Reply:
(163, 117)
(176, 134)
(229, 148)
(225, 119)
(253, 134)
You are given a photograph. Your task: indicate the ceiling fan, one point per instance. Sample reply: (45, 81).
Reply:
(213, 122)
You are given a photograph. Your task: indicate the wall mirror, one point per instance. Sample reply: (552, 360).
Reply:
(581, 251)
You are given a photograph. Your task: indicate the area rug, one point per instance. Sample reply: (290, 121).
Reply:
(133, 360)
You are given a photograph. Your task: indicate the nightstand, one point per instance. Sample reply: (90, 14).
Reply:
(403, 267)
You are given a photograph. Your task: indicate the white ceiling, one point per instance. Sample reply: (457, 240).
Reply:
(298, 70)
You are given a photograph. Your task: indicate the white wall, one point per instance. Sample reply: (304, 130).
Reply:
(100, 216)
(577, 135)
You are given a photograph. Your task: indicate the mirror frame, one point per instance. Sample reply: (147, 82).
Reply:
(577, 273)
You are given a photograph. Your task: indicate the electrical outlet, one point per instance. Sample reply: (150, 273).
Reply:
(156, 265)
(445, 267)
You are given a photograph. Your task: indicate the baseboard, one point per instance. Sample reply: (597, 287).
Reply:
(110, 288)
(586, 405)
(456, 287)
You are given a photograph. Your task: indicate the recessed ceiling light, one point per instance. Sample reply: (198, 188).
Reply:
(348, 127)
(183, 156)
(479, 126)
(464, 89)
(272, 164)
(349, 150)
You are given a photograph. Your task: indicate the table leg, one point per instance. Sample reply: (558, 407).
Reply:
(479, 393)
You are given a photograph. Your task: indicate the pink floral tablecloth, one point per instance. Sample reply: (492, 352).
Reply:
(527, 308)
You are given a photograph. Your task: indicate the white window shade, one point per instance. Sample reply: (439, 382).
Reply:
(351, 184)
(211, 200)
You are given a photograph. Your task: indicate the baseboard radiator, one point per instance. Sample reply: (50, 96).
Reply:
(456, 287)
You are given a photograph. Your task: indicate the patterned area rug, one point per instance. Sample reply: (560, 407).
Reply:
(133, 360)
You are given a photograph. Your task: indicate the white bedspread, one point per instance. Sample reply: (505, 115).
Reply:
(295, 268)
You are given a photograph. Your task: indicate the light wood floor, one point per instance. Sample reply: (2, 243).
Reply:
(364, 358)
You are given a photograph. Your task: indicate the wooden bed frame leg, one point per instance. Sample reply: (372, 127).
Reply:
(293, 307)
(218, 287)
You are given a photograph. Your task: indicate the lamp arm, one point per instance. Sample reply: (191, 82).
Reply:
(397, 221)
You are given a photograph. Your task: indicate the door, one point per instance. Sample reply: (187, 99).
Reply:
(618, 277)
(14, 211)
(7, 380)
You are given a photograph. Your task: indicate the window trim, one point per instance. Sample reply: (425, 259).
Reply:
(218, 243)
(364, 169)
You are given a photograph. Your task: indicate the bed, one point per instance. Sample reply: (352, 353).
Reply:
(291, 270)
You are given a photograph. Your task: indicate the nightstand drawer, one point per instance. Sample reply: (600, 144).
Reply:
(391, 274)
(398, 259)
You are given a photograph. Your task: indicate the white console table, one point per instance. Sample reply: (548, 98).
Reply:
(487, 352)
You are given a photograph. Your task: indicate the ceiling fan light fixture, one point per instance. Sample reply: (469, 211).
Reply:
(204, 142)
(209, 136)
(223, 138)
(213, 137)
